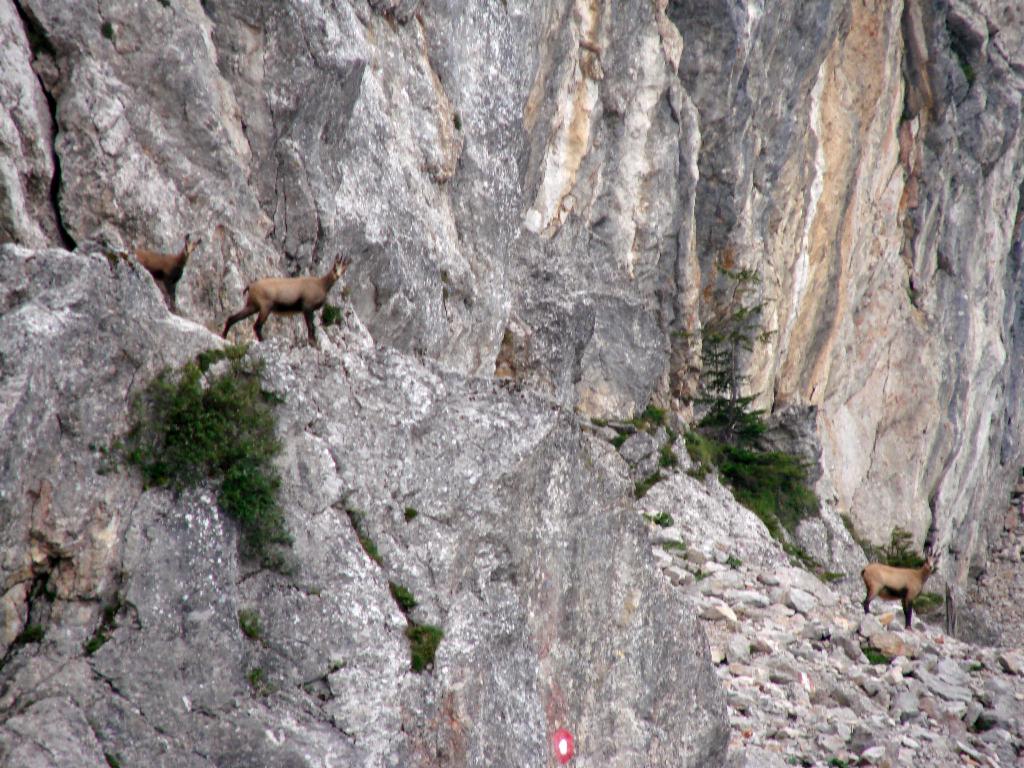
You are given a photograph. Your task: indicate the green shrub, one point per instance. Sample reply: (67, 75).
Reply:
(771, 484)
(619, 439)
(423, 642)
(191, 428)
(32, 633)
(258, 681)
(643, 486)
(704, 452)
(874, 657)
(94, 643)
(733, 562)
(667, 457)
(663, 519)
(402, 597)
(928, 602)
(249, 623)
(898, 552)
(410, 514)
(112, 760)
(651, 418)
(369, 545)
(330, 315)
(108, 623)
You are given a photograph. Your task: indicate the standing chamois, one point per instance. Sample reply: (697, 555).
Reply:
(167, 268)
(891, 583)
(287, 295)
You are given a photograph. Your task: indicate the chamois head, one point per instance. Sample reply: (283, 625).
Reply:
(190, 245)
(340, 265)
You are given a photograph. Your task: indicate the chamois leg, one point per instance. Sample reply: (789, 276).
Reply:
(308, 314)
(246, 312)
(867, 600)
(908, 611)
(172, 295)
(258, 326)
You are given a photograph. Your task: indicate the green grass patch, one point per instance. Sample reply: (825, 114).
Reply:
(667, 457)
(874, 656)
(32, 633)
(368, 544)
(733, 562)
(402, 597)
(193, 427)
(679, 546)
(108, 623)
(249, 623)
(233, 353)
(928, 603)
(619, 439)
(410, 514)
(641, 487)
(704, 452)
(258, 681)
(599, 422)
(831, 576)
(94, 643)
(330, 315)
(652, 418)
(112, 760)
(663, 519)
(423, 642)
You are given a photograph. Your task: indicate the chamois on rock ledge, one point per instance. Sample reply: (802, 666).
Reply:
(167, 268)
(285, 295)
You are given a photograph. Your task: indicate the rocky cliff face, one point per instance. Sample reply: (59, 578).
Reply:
(540, 191)
(514, 532)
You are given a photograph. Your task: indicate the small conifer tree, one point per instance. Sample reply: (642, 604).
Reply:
(728, 339)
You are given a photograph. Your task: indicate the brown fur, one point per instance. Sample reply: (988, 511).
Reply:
(167, 268)
(286, 295)
(891, 583)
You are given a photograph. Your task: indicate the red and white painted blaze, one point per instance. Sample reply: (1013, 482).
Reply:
(562, 742)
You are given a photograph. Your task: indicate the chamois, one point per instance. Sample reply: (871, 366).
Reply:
(892, 583)
(167, 268)
(287, 295)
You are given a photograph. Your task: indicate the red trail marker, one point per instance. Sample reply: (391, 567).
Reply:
(562, 742)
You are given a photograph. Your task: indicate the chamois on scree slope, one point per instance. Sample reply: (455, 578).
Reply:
(287, 295)
(167, 268)
(891, 583)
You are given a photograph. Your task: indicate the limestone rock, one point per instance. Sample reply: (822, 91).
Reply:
(801, 601)
(372, 430)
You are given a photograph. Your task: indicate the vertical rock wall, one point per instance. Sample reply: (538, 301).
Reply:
(867, 159)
